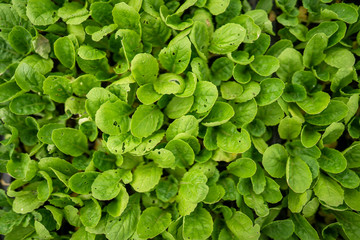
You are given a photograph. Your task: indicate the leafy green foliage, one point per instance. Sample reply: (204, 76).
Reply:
(180, 119)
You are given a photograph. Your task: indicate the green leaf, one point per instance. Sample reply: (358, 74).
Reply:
(350, 223)
(230, 90)
(81, 182)
(126, 17)
(42, 231)
(328, 191)
(101, 12)
(315, 103)
(147, 94)
(117, 206)
(271, 90)
(26, 202)
(222, 69)
(294, 93)
(146, 120)
(84, 83)
(118, 112)
(339, 58)
(303, 229)
(124, 227)
(87, 52)
(58, 88)
(298, 174)
(176, 57)
(20, 39)
(106, 185)
(153, 221)
(217, 7)
(219, 114)
(169, 83)
(48, 164)
(332, 161)
(242, 227)
(27, 104)
(178, 107)
(281, 229)
(9, 90)
(146, 177)
(144, 68)
(9, 220)
(265, 65)
(347, 178)
(309, 136)
(275, 160)
(71, 215)
(205, 96)
(90, 214)
(333, 132)
(352, 155)
(70, 141)
(334, 112)
(244, 112)
(163, 158)
(232, 141)
(227, 38)
(166, 190)
(184, 154)
(28, 78)
(193, 187)
(198, 225)
(289, 128)
(290, 62)
(242, 167)
(43, 12)
(120, 144)
(96, 97)
(73, 13)
(313, 53)
(341, 11)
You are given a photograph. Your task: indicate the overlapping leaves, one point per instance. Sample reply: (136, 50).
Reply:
(179, 119)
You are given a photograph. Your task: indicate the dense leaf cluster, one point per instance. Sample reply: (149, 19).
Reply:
(169, 119)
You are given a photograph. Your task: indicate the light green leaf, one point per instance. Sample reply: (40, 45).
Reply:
(334, 112)
(41, 12)
(27, 104)
(298, 174)
(242, 167)
(315, 103)
(198, 225)
(332, 161)
(329, 191)
(144, 68)
(271, 90)
(219, 114)
(146, 177)
(153, 221)
(274, 160)
(205, 96)
(289, 128)
(146, 120)
(106, 185)
(58, 88)
(313, 53)
(176, 57)
(227, 38)
(126, 17)
(265, 65)
(90, 214)
(193, 187)
(70, 141)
